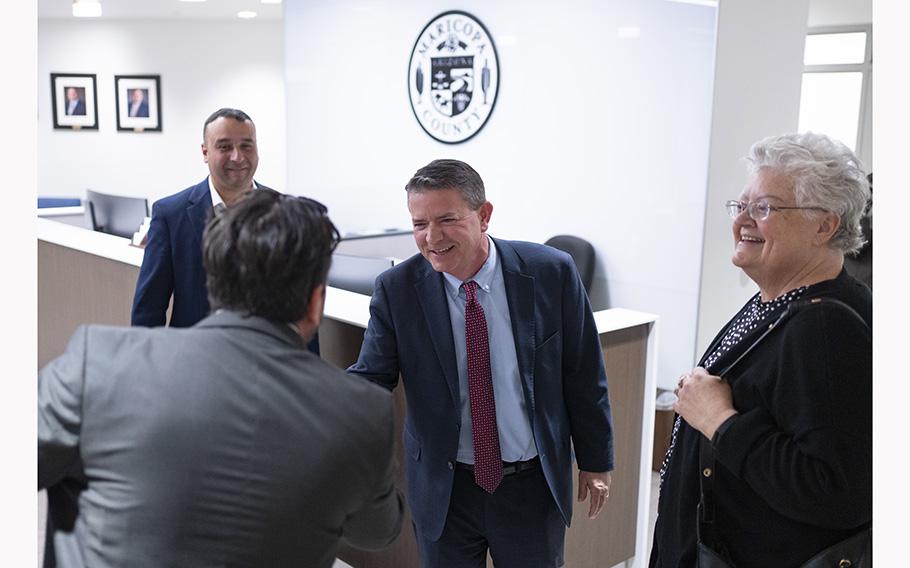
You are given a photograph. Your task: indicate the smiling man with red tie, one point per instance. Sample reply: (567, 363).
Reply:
(496, 344)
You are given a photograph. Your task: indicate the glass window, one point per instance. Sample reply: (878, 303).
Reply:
(837, 87)
(830, 104)
(839, 48)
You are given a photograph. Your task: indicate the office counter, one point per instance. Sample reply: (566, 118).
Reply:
(73, 215)
(83, 277)
(89, 277)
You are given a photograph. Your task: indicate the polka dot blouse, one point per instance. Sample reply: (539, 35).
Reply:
(754, 313)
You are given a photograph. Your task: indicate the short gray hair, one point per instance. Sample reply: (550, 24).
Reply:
(825, 174)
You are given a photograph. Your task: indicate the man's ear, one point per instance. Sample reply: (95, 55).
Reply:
(315, 307)
(485, 212)
(205, 154)
(308, 325)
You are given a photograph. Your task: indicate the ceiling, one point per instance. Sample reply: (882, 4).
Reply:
(821, 12)
(165, 9)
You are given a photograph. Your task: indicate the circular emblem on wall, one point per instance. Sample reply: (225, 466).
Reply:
(453, 77)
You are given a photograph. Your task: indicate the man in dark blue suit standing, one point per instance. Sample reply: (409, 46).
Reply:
(138, 106)
(75, 103)
(173, 254)
(496, 344)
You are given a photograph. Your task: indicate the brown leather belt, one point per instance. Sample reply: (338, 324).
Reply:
(508, 468)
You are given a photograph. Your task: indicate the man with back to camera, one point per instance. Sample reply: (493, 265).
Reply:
(496, 344)
(172, 263)
(228, 443)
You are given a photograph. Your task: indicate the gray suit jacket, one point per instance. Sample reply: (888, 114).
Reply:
(224, 444)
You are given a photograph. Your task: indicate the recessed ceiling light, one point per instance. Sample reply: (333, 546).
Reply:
(270, 1)
(707, 3)
(628, 32)
(86, 8)
(246, 14)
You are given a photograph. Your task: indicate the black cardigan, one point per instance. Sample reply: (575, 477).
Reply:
(793, 469)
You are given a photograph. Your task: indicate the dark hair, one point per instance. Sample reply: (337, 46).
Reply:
(266, 254)
(237, 115)
(449, 174)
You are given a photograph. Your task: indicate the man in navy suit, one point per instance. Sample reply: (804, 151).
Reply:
(139, 107)
(539, 350)
(173, 253)
(75, 104)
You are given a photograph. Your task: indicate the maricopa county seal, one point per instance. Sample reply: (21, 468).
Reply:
(453, 77)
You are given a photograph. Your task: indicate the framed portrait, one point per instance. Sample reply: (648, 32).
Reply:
(74, 100)
(138, 102)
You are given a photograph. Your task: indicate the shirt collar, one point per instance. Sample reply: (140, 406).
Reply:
(483, 277)
(216, 198)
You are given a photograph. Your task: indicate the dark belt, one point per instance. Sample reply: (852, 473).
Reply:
(508, 468)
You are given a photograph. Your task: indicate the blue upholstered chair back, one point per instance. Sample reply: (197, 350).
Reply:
(47, 202)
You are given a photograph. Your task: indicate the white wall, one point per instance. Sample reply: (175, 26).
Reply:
(592, 134)
(839, 12)
(204, 65)
(756, 94)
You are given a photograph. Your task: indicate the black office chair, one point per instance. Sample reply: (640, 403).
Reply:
(582, 253)
(356, 273)
(116, 214)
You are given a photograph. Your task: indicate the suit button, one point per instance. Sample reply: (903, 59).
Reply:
(451, 465)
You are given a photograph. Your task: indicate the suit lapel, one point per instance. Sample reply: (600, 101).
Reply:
(520, 295)
(431, 296)
(197, 209)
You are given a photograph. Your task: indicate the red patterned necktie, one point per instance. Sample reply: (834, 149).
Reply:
(487, 458)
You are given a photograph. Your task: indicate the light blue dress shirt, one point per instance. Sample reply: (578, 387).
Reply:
(516, 440)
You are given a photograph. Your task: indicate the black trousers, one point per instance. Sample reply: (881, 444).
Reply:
(519, 524)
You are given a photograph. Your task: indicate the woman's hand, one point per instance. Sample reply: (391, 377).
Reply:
(705, 401)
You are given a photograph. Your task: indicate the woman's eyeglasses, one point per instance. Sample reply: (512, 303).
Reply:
(757, 210)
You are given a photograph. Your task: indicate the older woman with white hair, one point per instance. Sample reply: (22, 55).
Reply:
(771, 458)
